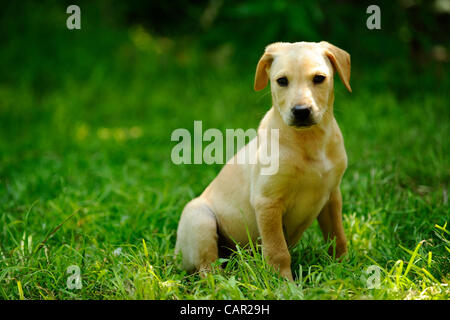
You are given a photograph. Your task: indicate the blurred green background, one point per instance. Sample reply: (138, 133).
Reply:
(86, 117)
(128, 53)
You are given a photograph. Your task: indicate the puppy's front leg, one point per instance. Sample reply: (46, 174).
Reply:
(330, 222)
(270, 225)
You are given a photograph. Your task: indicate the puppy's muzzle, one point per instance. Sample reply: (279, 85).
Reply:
(302, 116)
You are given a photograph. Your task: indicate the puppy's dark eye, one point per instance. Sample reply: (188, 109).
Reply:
(318, 79)
(283, 81)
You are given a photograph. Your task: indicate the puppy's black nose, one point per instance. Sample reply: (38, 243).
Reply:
(301, 113)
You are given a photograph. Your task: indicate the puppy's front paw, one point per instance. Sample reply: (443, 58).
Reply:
(287, 273)
(340, 250)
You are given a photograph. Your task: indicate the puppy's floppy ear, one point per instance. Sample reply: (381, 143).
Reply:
(261, 76)
(340, 60)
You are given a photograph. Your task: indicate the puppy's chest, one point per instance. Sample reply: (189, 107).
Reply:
(311, 183)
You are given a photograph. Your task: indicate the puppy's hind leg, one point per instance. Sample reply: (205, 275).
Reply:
(197, 236)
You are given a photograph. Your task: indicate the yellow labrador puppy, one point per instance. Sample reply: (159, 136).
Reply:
(312, 159)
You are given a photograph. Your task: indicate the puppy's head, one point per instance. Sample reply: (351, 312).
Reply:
(301, 77)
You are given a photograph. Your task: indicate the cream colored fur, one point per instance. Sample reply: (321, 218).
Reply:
(278, 208)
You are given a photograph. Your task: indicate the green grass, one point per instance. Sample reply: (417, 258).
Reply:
(86, 177)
